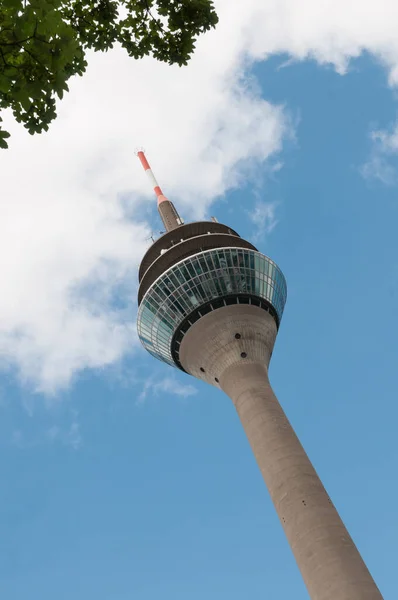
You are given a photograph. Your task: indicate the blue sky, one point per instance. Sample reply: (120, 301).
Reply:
(130, 480)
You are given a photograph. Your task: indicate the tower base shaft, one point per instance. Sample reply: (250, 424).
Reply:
(326, 555)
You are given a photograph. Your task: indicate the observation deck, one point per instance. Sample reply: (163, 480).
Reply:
(174, 295)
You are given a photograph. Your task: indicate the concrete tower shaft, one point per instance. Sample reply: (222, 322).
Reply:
(232, 347)
(210, 304)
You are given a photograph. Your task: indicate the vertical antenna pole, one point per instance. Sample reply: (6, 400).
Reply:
(167, 211)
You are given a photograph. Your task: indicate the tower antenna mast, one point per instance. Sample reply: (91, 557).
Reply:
(168, 213)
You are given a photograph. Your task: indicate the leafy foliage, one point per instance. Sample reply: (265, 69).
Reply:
(43, 43)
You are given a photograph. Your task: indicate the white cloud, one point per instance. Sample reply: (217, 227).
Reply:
(74, 204)
(168, 385)
(329, 31)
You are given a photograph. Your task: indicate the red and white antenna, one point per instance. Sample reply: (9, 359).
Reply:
(151, 176)
(167, 211)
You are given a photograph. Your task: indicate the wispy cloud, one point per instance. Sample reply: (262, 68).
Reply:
(263, 217)
(169, 386)
(17, 438)
(383, 161)
(53, 433)
(33, 433)
(73, 437)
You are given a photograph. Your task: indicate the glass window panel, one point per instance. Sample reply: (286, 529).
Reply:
(221, 282)
(216, 260)
(191, 268)
(239, 254)
(158, 294)
(197, 289)
(234, 258)
(173, 279)
(208, 262)
(271, 271)
(185, 272)
(228, 258)
(257, 263)
(202, 266)
(257, 286)
(177, 273)
(221, 259)
(217, 284)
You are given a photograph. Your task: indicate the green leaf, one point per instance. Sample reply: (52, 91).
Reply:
(43, 43)
(4, 84)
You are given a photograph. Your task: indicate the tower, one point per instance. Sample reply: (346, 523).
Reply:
(210, 304)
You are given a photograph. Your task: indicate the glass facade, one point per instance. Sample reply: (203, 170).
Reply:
(199, 279)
